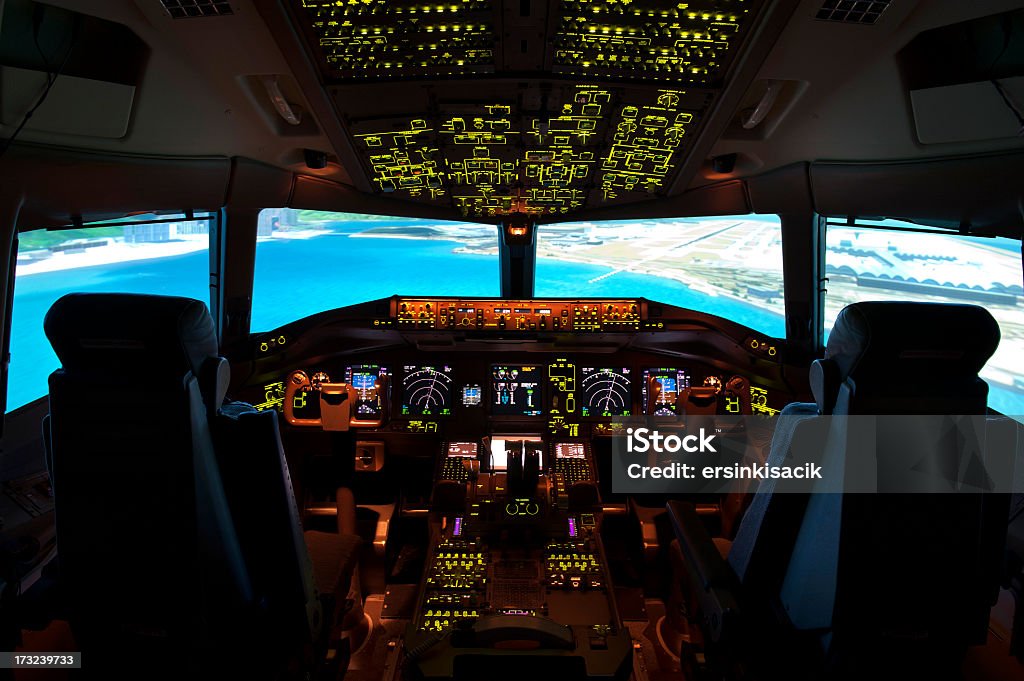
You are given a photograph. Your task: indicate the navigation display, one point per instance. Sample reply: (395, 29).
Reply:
(672, 382)
(607, 391)
(427, 390)
(515, 391)
(366, 380)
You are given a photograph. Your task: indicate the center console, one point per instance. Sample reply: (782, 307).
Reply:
(516, 576)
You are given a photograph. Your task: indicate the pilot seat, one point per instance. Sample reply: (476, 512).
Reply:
(179, 541)
(828, 583)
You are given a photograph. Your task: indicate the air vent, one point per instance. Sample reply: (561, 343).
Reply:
(195, 9)
(852, 11)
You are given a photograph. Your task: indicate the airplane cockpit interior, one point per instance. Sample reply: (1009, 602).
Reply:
(461, 340)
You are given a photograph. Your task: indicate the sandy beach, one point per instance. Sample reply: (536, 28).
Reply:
(116, 252)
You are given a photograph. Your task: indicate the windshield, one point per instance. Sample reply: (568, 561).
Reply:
(726, 266)
(170, 256)
(311, 261)
(874, 263)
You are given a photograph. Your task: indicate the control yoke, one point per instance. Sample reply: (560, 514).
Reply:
(336, 403)
(506, 630)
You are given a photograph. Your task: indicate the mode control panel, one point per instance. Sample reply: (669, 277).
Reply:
(623, 315)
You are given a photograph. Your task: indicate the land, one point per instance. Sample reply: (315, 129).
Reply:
(739, 258)
(113, 252)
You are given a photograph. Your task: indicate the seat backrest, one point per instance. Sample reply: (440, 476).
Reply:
(897, 579)
(148, 552)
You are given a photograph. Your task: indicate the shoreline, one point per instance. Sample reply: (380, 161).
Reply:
(115, 254)
(701, 286)
(120, 252)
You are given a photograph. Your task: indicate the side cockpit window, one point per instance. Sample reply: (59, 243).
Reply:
(166, 255)
(892, 260)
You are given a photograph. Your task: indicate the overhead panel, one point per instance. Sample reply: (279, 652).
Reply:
(592, 145)
(573, 104)
(687, 43)
(390, 39)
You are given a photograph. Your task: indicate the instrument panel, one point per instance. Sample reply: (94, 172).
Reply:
(553, 365)
(567, 392)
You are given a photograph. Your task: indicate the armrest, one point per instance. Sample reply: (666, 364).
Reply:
(715, 582)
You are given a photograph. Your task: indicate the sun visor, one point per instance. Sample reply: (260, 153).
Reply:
(102, 109)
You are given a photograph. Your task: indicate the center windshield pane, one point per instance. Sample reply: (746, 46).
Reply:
(309, 261)
(725, 266)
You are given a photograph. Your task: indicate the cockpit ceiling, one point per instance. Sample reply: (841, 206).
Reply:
(685, 43)
(574, 104)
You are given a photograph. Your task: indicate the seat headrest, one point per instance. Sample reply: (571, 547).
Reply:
(897, 340)
(825, 384)
(155, 335)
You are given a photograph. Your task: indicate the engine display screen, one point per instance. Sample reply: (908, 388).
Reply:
(671, 382)
(366, 380)
(607, 391)
(515, 391)
(427, 390)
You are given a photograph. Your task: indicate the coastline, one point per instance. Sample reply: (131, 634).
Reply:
(120, 252)
(116, 253)
(702, 276)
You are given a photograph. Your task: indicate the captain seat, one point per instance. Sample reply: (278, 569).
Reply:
(852, 584)
(168, 562)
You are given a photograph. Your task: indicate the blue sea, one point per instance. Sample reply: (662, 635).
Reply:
(296, 278)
